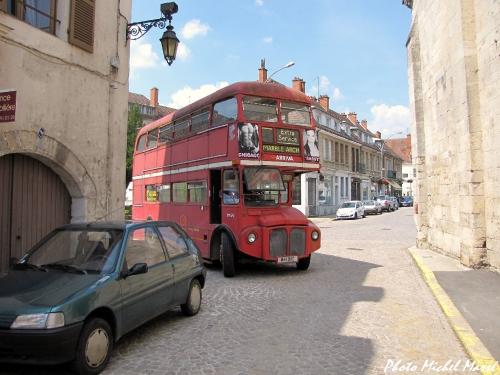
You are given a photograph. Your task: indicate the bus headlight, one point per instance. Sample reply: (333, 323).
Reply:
(251, 238)
(314, 235)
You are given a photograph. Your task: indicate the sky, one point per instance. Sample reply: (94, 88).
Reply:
(351, 50)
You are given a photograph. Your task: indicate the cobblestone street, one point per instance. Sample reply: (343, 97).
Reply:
(361, 303)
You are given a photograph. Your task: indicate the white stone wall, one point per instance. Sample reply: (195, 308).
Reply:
(454, 70)
(78, 98)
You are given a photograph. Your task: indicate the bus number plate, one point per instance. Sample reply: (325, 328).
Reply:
(289, 259)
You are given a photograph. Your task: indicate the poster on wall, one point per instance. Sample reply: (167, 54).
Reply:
(248, 140)
(7, 105)
(311, 148)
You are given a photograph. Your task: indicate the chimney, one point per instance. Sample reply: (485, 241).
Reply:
(353, 117)
(299, 84)
(153, 97)
(324, 101)
(262, 71)
(364, 124)
(378, 135)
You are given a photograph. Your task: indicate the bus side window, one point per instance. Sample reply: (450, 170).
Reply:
(230, 187)
(141, 145)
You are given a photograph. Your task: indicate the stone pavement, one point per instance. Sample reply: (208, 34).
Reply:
(361, 308)
(470, 298)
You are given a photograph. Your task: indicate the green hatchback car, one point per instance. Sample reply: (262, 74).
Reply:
(84, 286)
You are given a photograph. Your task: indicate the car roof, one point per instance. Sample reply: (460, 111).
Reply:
(117, 225)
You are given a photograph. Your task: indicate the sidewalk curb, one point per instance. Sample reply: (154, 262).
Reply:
(471, 343)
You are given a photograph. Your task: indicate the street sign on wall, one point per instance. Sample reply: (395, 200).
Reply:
(7, 105)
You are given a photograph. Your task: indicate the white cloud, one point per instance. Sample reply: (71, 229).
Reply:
(390, 119)
(183, 52)
(259, 2)
(194, 28)
(187, 94)
(142, 56)
(268, 39)
(337, 95)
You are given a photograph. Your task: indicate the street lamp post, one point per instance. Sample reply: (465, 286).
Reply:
(290, 64)
(169, 40)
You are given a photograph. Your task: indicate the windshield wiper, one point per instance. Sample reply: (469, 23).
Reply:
(65, 267)
(28, 266)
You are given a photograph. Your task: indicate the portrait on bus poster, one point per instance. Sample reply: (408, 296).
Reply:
(311, 145)
(248, 140)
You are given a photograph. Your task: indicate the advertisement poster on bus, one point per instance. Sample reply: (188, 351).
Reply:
(311, 147)
(248, 140)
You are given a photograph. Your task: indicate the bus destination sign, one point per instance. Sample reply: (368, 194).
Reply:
(287, 137)
(284, 144)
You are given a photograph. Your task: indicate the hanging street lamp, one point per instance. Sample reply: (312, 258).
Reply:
(169, 40)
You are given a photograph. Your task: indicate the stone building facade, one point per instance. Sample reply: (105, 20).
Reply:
(454, 74)
(64, 79)
(354, 165)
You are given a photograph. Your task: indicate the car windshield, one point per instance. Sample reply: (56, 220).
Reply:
(369, 203)
(382, 197)
(348, 205)
(85, 251)
(262, 186)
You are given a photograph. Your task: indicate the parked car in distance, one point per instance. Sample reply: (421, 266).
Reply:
(407, 202)
(395, 203)
(84, 286)
(372, 207)
(400, 200)
(386, 203)
(351, 210)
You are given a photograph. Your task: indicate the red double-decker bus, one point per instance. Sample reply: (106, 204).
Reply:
(223, 166)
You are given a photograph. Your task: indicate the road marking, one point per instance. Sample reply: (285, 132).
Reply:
(472, 344)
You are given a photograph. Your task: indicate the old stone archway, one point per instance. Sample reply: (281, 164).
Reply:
(42, 185)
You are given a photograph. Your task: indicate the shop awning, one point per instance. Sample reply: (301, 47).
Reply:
(395, 185)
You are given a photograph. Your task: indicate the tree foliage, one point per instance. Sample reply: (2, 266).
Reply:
(134, 124)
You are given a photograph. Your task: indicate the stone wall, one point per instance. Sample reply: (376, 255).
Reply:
(78, 98)
(454, 70)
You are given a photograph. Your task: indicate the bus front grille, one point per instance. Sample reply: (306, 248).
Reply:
(278, 242)
(297, 241)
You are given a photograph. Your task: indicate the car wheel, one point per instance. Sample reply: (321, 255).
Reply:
(227, 255)
(355, 215)
(364, 214)
(94, 347)
(303, 264)
(193, 302)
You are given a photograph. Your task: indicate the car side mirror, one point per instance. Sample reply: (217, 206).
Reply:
(137, 269)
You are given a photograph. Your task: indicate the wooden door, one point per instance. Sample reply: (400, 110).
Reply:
(33, 201)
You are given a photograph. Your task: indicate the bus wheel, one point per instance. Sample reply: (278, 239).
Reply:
(227, 255)
(303, 264)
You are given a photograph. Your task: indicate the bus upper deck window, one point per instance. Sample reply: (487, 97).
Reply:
(295, 113)
(260, 109)
(225, 112)
(141, 144)
(152, 139)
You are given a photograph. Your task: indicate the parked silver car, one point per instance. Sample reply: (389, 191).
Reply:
(386, 203)
(395, 203)
(372, 207)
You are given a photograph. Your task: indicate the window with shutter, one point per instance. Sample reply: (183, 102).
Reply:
(81, 27)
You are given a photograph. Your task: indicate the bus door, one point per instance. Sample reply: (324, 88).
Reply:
(230, 194)
(215, 197)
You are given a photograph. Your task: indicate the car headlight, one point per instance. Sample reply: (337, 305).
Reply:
(38, 321)
(251, 238)
(314, 235)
